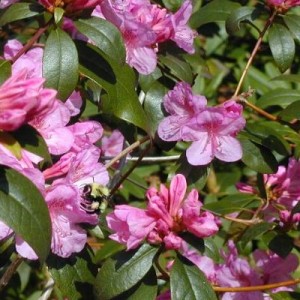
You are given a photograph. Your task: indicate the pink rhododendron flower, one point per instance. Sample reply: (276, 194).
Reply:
(69, 5)
(284, 4)
(275, 269)
(143, 25)
(66, 214)
(283, 192)
(112, 145)
(6, 3)
(169, 212)
(212, 130)
(21, 98)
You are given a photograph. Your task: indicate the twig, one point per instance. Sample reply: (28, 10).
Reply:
(258, 43)
(256, 287)
(10, 272)
(147, 158)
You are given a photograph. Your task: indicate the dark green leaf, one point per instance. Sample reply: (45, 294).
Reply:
(126, 270)
(232, 203)
(211, 249)
(105, 36)
(282, 46)
(74, 277)
(282, 245)
(19, 11)
(60, 63)
(258, 158)
(293, 23)
(255, 231)
(288, 77)
(146, 289)
(233, 22)
(108, 249)
(279, 97)
(188, 282)
(193, 240)
(291, 112)
(216, 10)
(5, 70)
(153, 105)
(23, 208)
(146, 81)
(178, 68)
(269, 138)
(119, 83)
(32, 141)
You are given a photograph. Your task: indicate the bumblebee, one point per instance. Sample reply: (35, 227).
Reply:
(95, 198)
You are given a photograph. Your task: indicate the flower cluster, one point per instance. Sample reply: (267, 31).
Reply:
(23, 100)
(169, 212)
(144, 25)
(283, 194)
(212, 130)
(283, 4)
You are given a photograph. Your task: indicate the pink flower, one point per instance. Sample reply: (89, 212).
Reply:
(284, 4)
(212, 130)
(168, 213)
(275, 269)
(21, 98)
(143, 25)
(183, 106)
(6, 3)
(112, 145)
(237, 272)
(68, 236)
(69, 6)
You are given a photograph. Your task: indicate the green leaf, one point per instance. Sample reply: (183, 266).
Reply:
(10, 143)
(232, 203)
(279, 97)
(293, 23)
(60, 63)
(146, 289)
(211, 249)
(282, 245)
(288, 77)
(19, 11)
(258, 158)
(5, 70)
(177, 67)
(255, 231)
(126, 270)
(74, 277)
(269, 138)
(105, 36)
(291, 112)
(188, 282)
(58, 14)
(153, 105)
(242, 14)
(23, 208)
(282, 46)
(32, 141)
(118, 81)
(216, 10)
(108, 249)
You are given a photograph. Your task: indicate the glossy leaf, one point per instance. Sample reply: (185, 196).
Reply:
(293, 23)
(60, 63)
(255, 231)
(123, 272)
(282, 46)
(177, 67)
(10, 143)
(278, 97)
(153, 105)
(105, 36)
(118, 81)
(23, 208)
(74, 277)
(281, 244)
(108, 249)
(19, 11)
(291, 112)
(5, 70)
(188, 282)
(258, 158)
(146, 289)
(242, 14)
(216, 10)
(233, 203)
